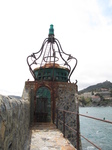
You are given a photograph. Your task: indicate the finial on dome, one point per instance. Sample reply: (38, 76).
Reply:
(51, 30)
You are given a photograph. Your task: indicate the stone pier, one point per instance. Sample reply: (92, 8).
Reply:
(45, 136)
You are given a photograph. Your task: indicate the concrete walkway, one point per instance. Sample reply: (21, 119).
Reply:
(45, 136)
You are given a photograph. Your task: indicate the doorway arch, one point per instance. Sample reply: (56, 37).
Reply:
(43, 105)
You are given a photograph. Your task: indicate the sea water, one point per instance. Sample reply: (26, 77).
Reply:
(98, 132)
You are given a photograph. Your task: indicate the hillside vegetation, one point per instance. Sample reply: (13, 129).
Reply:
(97, 87)
(96, 95)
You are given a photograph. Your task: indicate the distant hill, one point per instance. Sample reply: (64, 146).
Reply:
(97, 87)
(14, 96)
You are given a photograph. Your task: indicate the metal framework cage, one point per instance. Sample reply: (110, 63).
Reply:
(52, 56)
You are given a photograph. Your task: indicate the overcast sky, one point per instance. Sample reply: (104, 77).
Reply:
(83, 27)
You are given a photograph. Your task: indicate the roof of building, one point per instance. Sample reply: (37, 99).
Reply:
(52, 65)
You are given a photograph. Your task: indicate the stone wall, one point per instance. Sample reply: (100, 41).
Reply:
(63, 96)
(67, 100)
(17, 114)
(14, 122)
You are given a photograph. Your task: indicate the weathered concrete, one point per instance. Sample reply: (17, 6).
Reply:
(14, 122)
(45, 136)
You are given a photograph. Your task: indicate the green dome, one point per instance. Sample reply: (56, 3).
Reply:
(47, 74)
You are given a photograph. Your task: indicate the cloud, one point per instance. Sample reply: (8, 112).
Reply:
(110, 2)
(83, 27)
(106, 9)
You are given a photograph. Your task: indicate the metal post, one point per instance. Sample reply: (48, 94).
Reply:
(57, 118)
(63, 123)
(77, 127)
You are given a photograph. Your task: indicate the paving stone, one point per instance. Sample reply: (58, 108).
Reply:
(45, 136)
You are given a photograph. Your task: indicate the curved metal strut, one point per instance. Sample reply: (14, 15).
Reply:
(48, 53)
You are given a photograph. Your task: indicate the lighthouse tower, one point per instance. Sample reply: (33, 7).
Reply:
(51, 88)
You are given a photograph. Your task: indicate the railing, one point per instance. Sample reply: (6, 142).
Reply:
(78, 129)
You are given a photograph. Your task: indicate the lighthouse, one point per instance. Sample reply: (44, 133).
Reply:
(51, 70)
